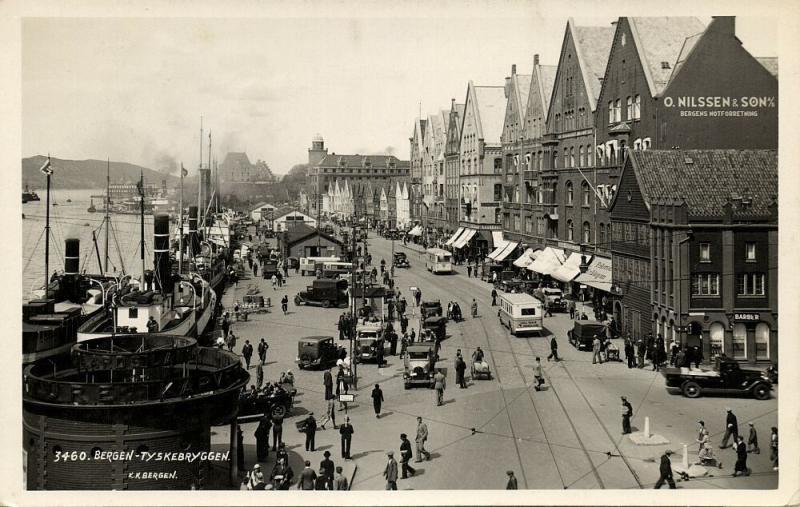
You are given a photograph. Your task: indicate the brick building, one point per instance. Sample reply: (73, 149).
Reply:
(452, 167)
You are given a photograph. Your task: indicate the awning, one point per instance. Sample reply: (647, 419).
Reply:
(510, 247)
(598, 275)
(455, 236)
(415, 231)
(552, 216)
(465, 238)
(527, 257)
(547, 261)
(570, 269)
(497, 239)
(498, 249)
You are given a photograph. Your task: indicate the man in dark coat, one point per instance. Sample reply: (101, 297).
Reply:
(403, 324)
(405, 457)
(630, 354)
(307, 478)
(346, 431)
(494, 297)
(377, 399)
(379, 352)
(512, 481)
(277, 431)
(461, 368)
(326, 467)
(327, 380)
(731, 429)
(247, 353)
(390, 472)
(342, 326)
(741, 457)
(262, 350)
(262, 438)
(311, 431)
(665, 468)
(553, 349)
(392, 342)
(627, 413)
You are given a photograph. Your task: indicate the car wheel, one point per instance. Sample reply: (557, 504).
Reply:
(278, 411)
(326, 304)
(691, 389)
(761, 392)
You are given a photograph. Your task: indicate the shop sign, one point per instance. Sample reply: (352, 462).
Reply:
(747, 317)
(720, 106)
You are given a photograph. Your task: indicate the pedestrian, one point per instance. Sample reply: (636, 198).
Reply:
(247, 352)
(548, 308)
(379, 352)
(327, 381)
(403, 323)
(571, 307)
(665, 468)
(255, 270)
(239, 447)
(422, 436)
(377, 399)
(307, 479)
(285, 304)
(439, 383)
(461, 369)
(390, 308)
(741, 457)
(596, 350)
(494, 297)
(342, 386)
(538, 375)
(280, 277)
(262, 438)
(326, 468)
(226, 325)
(346, 433)
(627, 413)
(702, 436)
(262, 350)
(259, 374)
(255, 480)
(752, 440)
(310, 429)
(282, 474)
(341, 326)
(277, 431)
(630, 355)
(285, 270)
(405, 457)
(474, 308)
(390, 472)
(339, 480)
(697, 356)
(231, 341)
(413, 336)
(658, 353)
(418, 296)
(469, 270)
(152, 325)
(773, 448)
(673, 350)
(553, 349)
(512, 481)
(330, 414)
(731, 428)
(274, 280)
(392, 342)
(640, 350)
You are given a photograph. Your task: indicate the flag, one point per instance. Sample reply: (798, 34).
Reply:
(140, 187)
(46, 169)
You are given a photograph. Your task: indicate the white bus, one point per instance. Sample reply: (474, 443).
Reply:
(332, 269)
(310, 264)
(438, 261)
(520, 313)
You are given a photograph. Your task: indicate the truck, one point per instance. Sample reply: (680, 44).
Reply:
(726, 377)
(325, 293)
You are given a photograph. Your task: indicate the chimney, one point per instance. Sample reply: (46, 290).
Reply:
(452, 103)
(724, 25)
(71, 256)
(162, 267)
(536, 59)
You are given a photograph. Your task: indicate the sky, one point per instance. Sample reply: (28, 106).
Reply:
(134, 89)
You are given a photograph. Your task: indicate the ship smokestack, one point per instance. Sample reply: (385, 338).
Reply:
(72, 256)
(194, 242)
(163, 268)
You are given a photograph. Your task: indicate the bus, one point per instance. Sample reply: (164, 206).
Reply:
(334, 269)
(438, 261)
(520, 313)
(311, 264)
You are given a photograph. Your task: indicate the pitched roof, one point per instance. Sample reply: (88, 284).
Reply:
(299, 232)
(522, 87)
(707, 179)
(235, 157)
(662, 39)
(376, 161)
(593, 46)
(490, 102)
(547, 79)
(770, 63)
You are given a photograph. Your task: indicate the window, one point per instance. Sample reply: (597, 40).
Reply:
(587, 233)
(539, 196)
(566, 158)
(750, 252)
(617, 111)
(588, 154)
(705, 284)
(498, 191)
(646, 143)
(750, 284)
(572, 156)
(705, 252)
(716, 334)
(602, 235)
(133, 313)
(610, 111)
(570, 230)
(762, 341)
(498, 165)
(586, 193)
(569, 193)
(637, 102)
(637, 144)
(739, 341)
(629, 110)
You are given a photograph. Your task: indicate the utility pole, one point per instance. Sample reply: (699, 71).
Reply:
(47, 170)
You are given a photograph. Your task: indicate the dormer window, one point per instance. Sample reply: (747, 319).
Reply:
(665, 65)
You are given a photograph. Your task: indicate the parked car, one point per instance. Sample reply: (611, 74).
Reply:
(401, 260)
(419, 365)
(317, 352)
(727, 377)
(556, 299)
(430, 309)
(584, 331)
(438, 325)
(325, 293)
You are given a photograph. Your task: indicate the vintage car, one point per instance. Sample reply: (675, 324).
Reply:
(583, 332)
(419, 363)
(401, 260)
(269, 267)
(438, 325)
(325, 293)
(317, 352)
(430, 309)
(274, 399)
(727, 377)
(369, 336)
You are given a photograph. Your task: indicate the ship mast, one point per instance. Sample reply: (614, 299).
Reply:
(108, 198)
(47, 170)
(200, 172)
(141, 223)
(180, 226)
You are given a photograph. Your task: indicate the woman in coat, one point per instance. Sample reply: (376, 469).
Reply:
(377, 399)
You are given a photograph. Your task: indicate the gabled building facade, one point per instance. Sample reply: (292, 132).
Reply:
(452, 163)
(417, 153)
(433, 203)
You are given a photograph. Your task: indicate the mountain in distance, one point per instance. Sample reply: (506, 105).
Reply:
(80, 174)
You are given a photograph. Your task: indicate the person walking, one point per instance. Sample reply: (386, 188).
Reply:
(403, 323)
(377, 399)
(310, 429)
(307, 478)
(752, 440)
(418, 296)
(627, 413)
(226, 326)
(392, 342)
(259, 374)
(330, 414)
(346, 433)
(277, 431)
(422, 436)
(390, 472)
(640, 350)
(342, 386)
(404, 344)
(658, 353)
(327, 381)
(439, 383)
(285, 304)
(596, 350)
(341, 326)
(247, 352)
(474, 308)
(773, 448)
(461, 369)
(262, 438)
(274, 281)
(379, 352)
(262, 350)
(630, 355)
(538, 375)
(665, 468)
(494, 297)
(731, 429)
(702, 436)
(512, 481)
(405, 457)
(339, 480)
(741, 457)
(553, 349)
(571, 308)
(326, 468)
(231, 341)
(469, 270)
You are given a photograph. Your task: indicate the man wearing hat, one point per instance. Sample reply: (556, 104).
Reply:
(390, 472)
(627, 413)
(731, 428)
(310, 429)
(346, 431)
(666, 472)
(256, 478)
(512, 481)
(307, 478)
(405, 456)
(326, 468)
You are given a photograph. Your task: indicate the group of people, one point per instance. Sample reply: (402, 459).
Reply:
(647, 348)
(390, 471)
